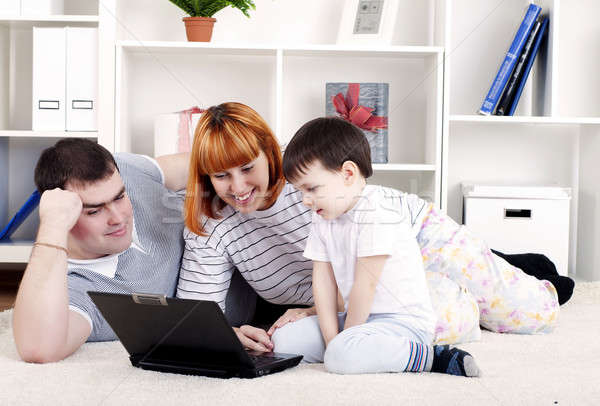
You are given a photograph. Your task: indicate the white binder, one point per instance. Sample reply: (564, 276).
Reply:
(49, 97)
(10, 7)
(82, 79)
(32, 7)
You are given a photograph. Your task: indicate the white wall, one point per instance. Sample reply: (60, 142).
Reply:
(273, 21)
(306, 21)
(579, 56)
(588, 232)
(4, 76)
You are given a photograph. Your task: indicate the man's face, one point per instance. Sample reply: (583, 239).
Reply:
(106, 222)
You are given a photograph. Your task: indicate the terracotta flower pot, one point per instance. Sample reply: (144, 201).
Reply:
(199, 28)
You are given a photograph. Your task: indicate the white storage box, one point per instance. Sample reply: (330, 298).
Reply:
(521, 219)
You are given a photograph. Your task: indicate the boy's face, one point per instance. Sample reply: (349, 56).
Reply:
(324, 191)
(106, 222)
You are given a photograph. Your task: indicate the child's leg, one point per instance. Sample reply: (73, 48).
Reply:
(387, 344)
(509, 300)
(302, 337)
(377, 346)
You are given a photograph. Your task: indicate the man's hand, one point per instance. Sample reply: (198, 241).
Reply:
(253, 338)
(60, 209)
(290, 316)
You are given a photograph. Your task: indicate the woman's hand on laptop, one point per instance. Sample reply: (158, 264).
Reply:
(290, 316)
(253, 338)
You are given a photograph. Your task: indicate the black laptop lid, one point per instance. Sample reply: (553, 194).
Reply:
(158, 328)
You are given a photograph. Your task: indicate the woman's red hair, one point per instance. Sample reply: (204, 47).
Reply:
(227, 135)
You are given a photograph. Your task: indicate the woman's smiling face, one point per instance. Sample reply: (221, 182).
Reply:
(245, 187)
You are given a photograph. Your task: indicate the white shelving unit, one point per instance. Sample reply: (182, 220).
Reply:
(48, 134)
(442, 60)
(26, 21)
(19, 145)
(554, 133)
(279, 91)
(16, 252)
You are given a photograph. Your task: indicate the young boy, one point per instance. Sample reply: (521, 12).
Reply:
(362, 244)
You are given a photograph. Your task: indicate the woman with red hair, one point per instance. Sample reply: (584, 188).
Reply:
(243, 219)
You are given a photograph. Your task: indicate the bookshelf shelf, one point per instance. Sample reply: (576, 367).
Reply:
(22, 22)
(48, 134)
(16, 252)
(51, 18)
(182, 48)
(523, 119)
(266, 49)
(403, 168)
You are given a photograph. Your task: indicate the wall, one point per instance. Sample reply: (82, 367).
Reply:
(306, 21)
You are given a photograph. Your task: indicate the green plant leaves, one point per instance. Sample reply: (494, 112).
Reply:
(207, 8)
(185, 6)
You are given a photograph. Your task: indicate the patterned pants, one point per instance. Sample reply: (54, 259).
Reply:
(509, 300)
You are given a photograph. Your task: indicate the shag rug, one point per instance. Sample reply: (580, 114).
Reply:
(561, 368)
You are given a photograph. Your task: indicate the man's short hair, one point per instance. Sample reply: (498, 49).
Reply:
(331, 141)
(74, 161)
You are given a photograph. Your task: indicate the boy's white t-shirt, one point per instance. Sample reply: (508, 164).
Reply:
(379, 224)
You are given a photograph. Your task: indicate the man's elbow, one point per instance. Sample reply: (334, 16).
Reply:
(38, 354)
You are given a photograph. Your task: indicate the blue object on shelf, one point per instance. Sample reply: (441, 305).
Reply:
(506, 68)
(21, 215)
(528, 65)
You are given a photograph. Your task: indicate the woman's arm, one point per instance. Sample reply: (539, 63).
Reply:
(206, 275)
(325, 293)
(366, 277)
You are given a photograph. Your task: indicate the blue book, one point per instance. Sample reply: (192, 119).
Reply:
(25, 210)
(510, 60)
(528, 65)
(508, 96)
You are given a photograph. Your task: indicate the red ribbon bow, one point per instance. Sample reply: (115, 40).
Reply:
(358, 115)
(185, 122)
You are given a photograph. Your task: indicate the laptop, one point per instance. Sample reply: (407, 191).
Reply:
(183, 336)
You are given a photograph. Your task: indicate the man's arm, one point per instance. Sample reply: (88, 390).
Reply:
(44, 327)
(325, 293)
(175, 168)
(366, 276)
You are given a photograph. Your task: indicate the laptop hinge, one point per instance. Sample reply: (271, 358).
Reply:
(149, 299)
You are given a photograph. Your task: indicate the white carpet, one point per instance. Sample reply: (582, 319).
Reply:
(562, 368)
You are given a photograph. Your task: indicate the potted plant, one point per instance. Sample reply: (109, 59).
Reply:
(199, 24)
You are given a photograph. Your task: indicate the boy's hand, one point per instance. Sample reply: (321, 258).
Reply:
(253, 338)
(290, 316)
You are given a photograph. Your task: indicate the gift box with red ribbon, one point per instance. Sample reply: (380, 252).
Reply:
(366, 106)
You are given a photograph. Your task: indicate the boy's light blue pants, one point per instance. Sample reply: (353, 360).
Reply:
(385, 343)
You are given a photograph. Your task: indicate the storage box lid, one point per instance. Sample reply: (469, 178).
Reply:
(515, 192)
